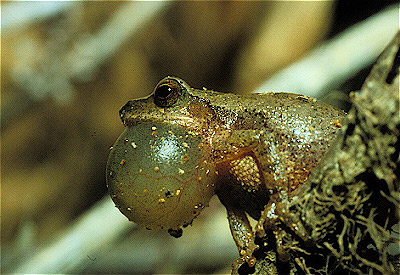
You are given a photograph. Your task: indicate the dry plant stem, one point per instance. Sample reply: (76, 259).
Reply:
(339, 58)
(72, 251)
(351, 200)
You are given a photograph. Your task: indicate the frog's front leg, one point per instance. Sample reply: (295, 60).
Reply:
(242, 188)
(262, 177)
(242, 232)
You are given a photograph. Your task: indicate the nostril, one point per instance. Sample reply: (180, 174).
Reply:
(127, 110)
(127, 107)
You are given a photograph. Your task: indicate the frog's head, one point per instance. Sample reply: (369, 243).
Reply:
(159, 172)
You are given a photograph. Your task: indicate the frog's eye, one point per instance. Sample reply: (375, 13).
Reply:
(167, 92)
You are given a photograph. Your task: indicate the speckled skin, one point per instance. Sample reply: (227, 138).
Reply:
(183, 145)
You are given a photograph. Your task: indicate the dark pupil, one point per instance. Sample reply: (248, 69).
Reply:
(163, 91)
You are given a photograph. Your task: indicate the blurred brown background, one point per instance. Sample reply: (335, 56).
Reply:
(67, 71)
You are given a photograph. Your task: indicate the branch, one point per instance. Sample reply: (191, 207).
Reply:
(351, 200)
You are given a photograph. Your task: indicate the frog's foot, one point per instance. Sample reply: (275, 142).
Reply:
(274, 214)
(246, 258)
(246, 254)
(281, 249)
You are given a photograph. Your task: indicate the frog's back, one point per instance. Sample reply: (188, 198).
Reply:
(293, 133)
(301, 127)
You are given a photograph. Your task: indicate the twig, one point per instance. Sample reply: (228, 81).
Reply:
(339, 58)
(19, 14)
(91, 53)
(95, 230)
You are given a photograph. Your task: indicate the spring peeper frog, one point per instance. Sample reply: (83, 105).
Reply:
(183, 145)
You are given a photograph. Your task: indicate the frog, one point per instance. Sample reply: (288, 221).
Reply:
(181, 146)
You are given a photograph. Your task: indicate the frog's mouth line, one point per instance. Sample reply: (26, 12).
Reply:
(187, 122)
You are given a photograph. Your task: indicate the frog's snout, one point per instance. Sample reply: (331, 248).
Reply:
(126, 112)
(157, 176)
(127, 107)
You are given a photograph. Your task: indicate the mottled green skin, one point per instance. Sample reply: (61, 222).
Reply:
(185, 153)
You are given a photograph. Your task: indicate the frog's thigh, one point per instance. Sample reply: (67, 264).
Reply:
(247, 172)
(253, 158)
